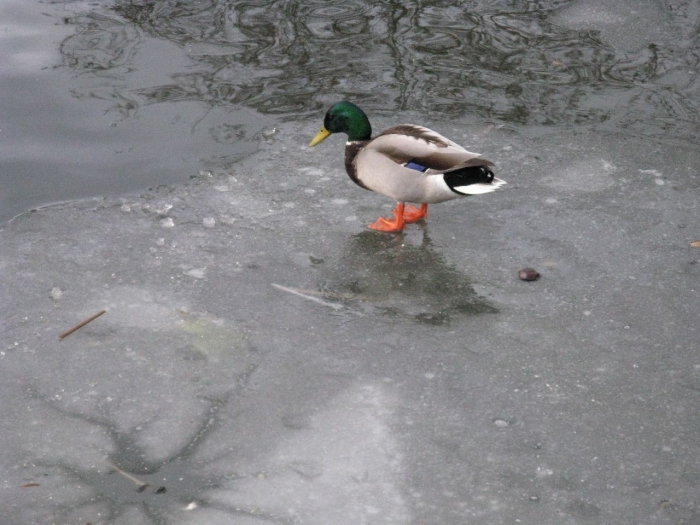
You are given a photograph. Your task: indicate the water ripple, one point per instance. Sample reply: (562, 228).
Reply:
(512, 64)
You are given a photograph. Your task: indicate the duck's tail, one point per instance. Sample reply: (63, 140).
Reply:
(472, 180)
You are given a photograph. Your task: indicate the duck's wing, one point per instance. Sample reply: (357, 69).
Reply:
(422, 146)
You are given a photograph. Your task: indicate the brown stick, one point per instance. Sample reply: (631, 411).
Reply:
(80, 325)
(141, 485)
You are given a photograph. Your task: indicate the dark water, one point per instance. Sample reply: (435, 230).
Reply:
(109, 97)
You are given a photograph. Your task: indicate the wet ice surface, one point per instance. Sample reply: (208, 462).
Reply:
(266, 359)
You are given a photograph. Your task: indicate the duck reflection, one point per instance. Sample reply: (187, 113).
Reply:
(391, 274)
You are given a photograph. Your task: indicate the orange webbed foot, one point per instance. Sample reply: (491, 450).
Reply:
(388, 225)
(413, 214)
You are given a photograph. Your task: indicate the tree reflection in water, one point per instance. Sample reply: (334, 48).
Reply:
(508, 63)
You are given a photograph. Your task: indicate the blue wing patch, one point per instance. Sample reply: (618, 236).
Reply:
(415, 166)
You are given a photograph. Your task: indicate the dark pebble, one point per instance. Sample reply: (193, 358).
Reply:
(529, 274)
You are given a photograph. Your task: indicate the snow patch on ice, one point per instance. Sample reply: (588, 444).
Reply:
(197, 273)
(313, 172)
(131, 306)
(345, 467)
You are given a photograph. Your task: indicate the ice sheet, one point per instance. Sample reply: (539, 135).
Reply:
(385, 379)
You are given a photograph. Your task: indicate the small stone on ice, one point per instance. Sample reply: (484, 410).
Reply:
(209, 222)
(528, 274)
(56, 293)
(167, 223)
(500, 423)
(191, 506)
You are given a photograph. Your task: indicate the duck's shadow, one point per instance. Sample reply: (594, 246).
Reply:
(403, 277)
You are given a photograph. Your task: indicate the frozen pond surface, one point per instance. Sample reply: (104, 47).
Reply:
(265, 359)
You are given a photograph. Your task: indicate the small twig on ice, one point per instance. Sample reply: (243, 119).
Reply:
(141, 485)
(306, 296)
(79, 326)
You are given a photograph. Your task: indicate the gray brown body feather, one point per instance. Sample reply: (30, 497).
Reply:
(378, 164)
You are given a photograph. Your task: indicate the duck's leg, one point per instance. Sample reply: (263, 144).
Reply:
(387, 225)
(413, 214)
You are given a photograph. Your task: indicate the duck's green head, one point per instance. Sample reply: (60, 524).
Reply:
(344, 117)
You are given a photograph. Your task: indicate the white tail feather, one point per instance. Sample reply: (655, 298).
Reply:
(481, 187)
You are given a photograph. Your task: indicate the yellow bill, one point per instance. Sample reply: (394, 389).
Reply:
(320, 136)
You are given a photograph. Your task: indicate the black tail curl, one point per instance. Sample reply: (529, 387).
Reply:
(467, 176)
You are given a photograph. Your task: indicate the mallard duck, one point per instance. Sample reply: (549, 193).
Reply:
(408, 163)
